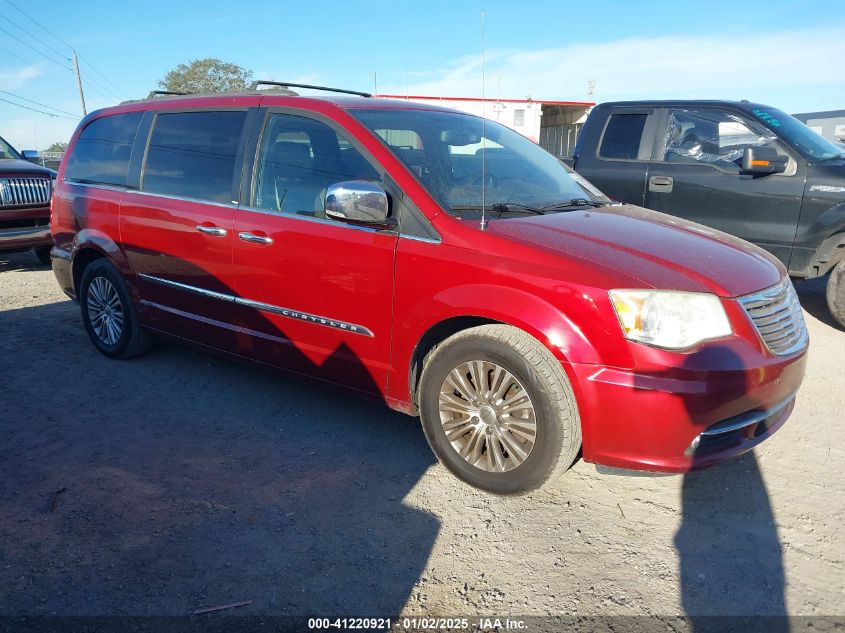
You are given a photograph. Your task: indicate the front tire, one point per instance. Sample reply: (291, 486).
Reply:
(498, 410)
(109, 316)
(836, 293)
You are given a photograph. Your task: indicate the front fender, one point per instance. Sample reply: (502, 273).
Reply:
(550, 325)
(572, 324)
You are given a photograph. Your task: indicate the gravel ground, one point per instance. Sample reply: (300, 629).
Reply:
(191, 481)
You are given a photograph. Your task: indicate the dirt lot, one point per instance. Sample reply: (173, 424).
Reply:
(191, 481)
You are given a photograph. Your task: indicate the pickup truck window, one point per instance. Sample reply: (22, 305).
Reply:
(622, 136)
(716, 137)
(462, 159)
(7, 151)
(812, 145)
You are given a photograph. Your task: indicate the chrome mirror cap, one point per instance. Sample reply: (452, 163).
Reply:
(31, 155)
(357, 201)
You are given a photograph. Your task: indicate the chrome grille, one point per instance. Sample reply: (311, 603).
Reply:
(24, 191)
(776, 313)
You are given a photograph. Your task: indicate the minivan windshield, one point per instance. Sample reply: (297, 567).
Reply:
(814, 146)
(467, 163)
(7, 151)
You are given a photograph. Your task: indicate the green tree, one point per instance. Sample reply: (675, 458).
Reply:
(206, 75)
(58, 146)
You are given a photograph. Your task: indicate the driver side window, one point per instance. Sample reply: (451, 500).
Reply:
(713, 137)
(298, 160)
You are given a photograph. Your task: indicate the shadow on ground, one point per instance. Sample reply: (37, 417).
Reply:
(731, 559)
(811, 293)
(191, 481)
(21, 260)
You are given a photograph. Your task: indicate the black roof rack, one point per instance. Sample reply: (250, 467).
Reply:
(284, 84)
(164, 93)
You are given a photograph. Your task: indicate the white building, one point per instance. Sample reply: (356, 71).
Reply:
(554, 125)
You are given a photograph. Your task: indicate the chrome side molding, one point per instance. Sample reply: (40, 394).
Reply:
(264, 307)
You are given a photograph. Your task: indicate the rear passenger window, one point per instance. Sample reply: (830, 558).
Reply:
(299, 159)
(192, 154)
(622, 136)
(101, 153)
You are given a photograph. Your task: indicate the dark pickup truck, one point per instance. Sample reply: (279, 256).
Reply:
(25, 190)
(743, 168)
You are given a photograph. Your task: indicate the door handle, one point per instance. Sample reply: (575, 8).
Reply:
(660, 183)
(216, 231)
(256, 239)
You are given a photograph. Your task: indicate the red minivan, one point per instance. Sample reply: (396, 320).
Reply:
(437, 261)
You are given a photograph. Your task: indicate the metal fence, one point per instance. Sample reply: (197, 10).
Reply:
(560, 139)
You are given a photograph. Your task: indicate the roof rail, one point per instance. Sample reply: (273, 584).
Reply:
(284, 84)
(165, 93)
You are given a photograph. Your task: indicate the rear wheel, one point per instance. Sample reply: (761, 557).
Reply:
(108, 314)
(498, 409)
(43, 254)
(836, 293)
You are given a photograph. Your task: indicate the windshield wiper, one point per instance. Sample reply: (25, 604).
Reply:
(499, 207)
(574, 203)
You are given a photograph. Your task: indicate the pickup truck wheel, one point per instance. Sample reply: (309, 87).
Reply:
(498, 410)
(836, 293)
(43, 254)
(108, 314)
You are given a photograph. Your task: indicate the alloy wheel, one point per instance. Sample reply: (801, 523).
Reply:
(488, 416)
(105, 310)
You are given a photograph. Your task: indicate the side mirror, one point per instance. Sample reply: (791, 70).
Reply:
(763, 160)
(31, 155)
(357, 201)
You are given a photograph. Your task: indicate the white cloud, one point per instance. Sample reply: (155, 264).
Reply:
(11, 79)
(733, 65)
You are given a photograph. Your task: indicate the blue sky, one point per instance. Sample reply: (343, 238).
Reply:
(787, 53)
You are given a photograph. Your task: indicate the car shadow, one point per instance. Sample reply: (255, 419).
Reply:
(811, 293)
(180, 480)
(20, 260)
(730, 552)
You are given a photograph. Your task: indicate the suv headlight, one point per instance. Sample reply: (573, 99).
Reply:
(670, 319)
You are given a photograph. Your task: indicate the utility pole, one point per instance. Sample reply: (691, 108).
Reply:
(375, 83)
(79, 83)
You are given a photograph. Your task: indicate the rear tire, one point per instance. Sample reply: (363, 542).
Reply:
(836, 293)
(43, 255)
(498, 410)
(108, 313)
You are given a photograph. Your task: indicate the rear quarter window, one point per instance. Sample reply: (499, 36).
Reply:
(102, 151)
(192, 154)
(622, 136)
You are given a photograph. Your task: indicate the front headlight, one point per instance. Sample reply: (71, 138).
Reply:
(670, 319)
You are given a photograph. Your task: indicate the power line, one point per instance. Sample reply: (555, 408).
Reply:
(100, 87)
(31, 63)
(37, 23)
(40, 52)
(43, 105)
(49, 114)
(118, 88)
(33, 36)
(117, 94)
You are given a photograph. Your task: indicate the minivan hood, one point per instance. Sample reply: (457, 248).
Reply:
(660, 250)
(15, 166)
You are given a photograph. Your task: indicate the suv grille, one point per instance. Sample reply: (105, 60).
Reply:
(776, 313)
(24, 191)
